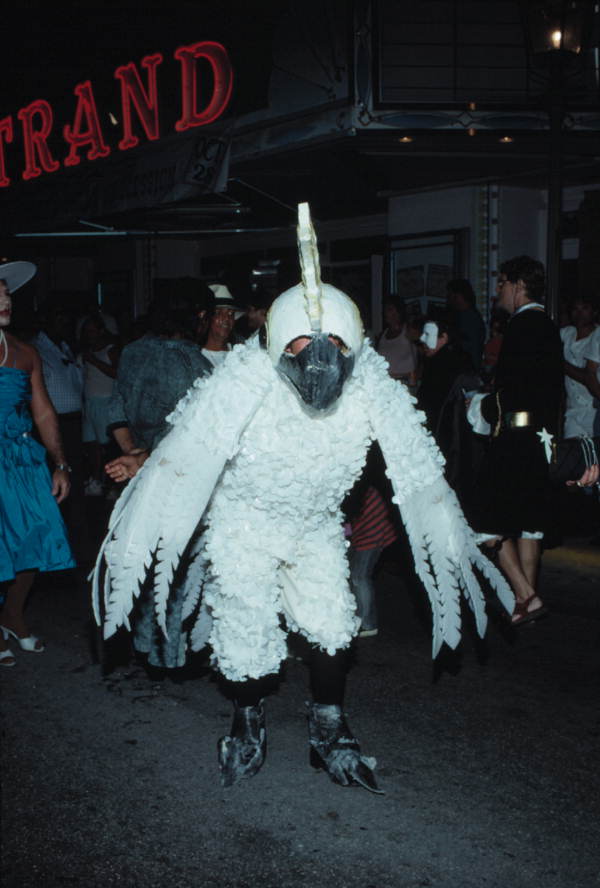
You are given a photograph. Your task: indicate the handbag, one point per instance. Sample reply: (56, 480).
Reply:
(572, 456)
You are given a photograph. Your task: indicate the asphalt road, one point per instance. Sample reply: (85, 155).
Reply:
(489, 758)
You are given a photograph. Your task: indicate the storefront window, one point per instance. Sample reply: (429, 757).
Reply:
(422, 264)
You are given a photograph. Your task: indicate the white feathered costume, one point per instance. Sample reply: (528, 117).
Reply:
(267, 479)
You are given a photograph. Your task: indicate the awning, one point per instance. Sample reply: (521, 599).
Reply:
(177, 169)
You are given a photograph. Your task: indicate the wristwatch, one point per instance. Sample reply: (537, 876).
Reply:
(63, 467)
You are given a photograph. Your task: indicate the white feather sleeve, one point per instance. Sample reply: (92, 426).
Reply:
(157, 513)
(442, 543)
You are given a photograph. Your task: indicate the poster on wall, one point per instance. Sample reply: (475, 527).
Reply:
(437, 278)
(410, 284)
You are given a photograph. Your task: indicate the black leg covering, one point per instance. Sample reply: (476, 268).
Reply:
(333, 748)
(250, 692)
(328, 676)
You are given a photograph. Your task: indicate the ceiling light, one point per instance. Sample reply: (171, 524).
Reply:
(556, 39)
(506, 140)
(405, 139)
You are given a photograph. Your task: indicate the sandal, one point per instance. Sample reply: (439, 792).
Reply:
(7, 658)
(523, 615)
(29, 643)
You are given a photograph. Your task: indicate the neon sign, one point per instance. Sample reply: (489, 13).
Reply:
(139, 97)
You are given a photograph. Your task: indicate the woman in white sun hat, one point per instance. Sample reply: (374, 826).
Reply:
(32, 533)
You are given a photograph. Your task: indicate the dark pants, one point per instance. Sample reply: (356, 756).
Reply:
(362, 565)
(327, 681)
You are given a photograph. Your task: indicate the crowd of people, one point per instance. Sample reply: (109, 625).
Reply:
(302, 440)
(89, 395)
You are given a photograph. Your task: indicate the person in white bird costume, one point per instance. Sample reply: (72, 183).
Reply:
(262, 453)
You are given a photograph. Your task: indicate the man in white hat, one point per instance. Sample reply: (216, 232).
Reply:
(264, 451)
(220, 336)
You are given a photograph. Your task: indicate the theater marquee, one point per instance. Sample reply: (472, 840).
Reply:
(139, 96)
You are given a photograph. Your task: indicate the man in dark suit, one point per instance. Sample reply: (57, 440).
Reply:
(523, 412)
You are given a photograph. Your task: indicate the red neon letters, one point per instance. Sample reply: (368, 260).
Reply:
(37, 118)
(92, 136)
(146, 103)
(34, 140)
(218, 59)
(6, 135)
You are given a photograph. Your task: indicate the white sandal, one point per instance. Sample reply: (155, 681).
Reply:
(26, 644)
(5, 656)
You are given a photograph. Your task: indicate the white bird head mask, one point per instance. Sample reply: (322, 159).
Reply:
(314, 331)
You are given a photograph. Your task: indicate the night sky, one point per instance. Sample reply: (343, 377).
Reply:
(55, 46)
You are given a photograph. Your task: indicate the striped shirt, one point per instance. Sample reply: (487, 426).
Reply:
(372, 528)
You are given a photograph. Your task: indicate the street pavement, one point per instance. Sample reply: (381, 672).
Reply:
(488, 758)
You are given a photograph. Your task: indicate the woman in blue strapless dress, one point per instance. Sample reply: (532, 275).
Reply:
(32, 533)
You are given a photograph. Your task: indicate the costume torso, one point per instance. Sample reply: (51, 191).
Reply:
(294, 467)
(275, 537)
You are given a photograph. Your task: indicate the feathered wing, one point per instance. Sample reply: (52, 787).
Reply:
(159, 510)
(442, 543)
(195, 575)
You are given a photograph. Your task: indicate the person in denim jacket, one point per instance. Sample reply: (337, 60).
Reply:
(154, 373)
